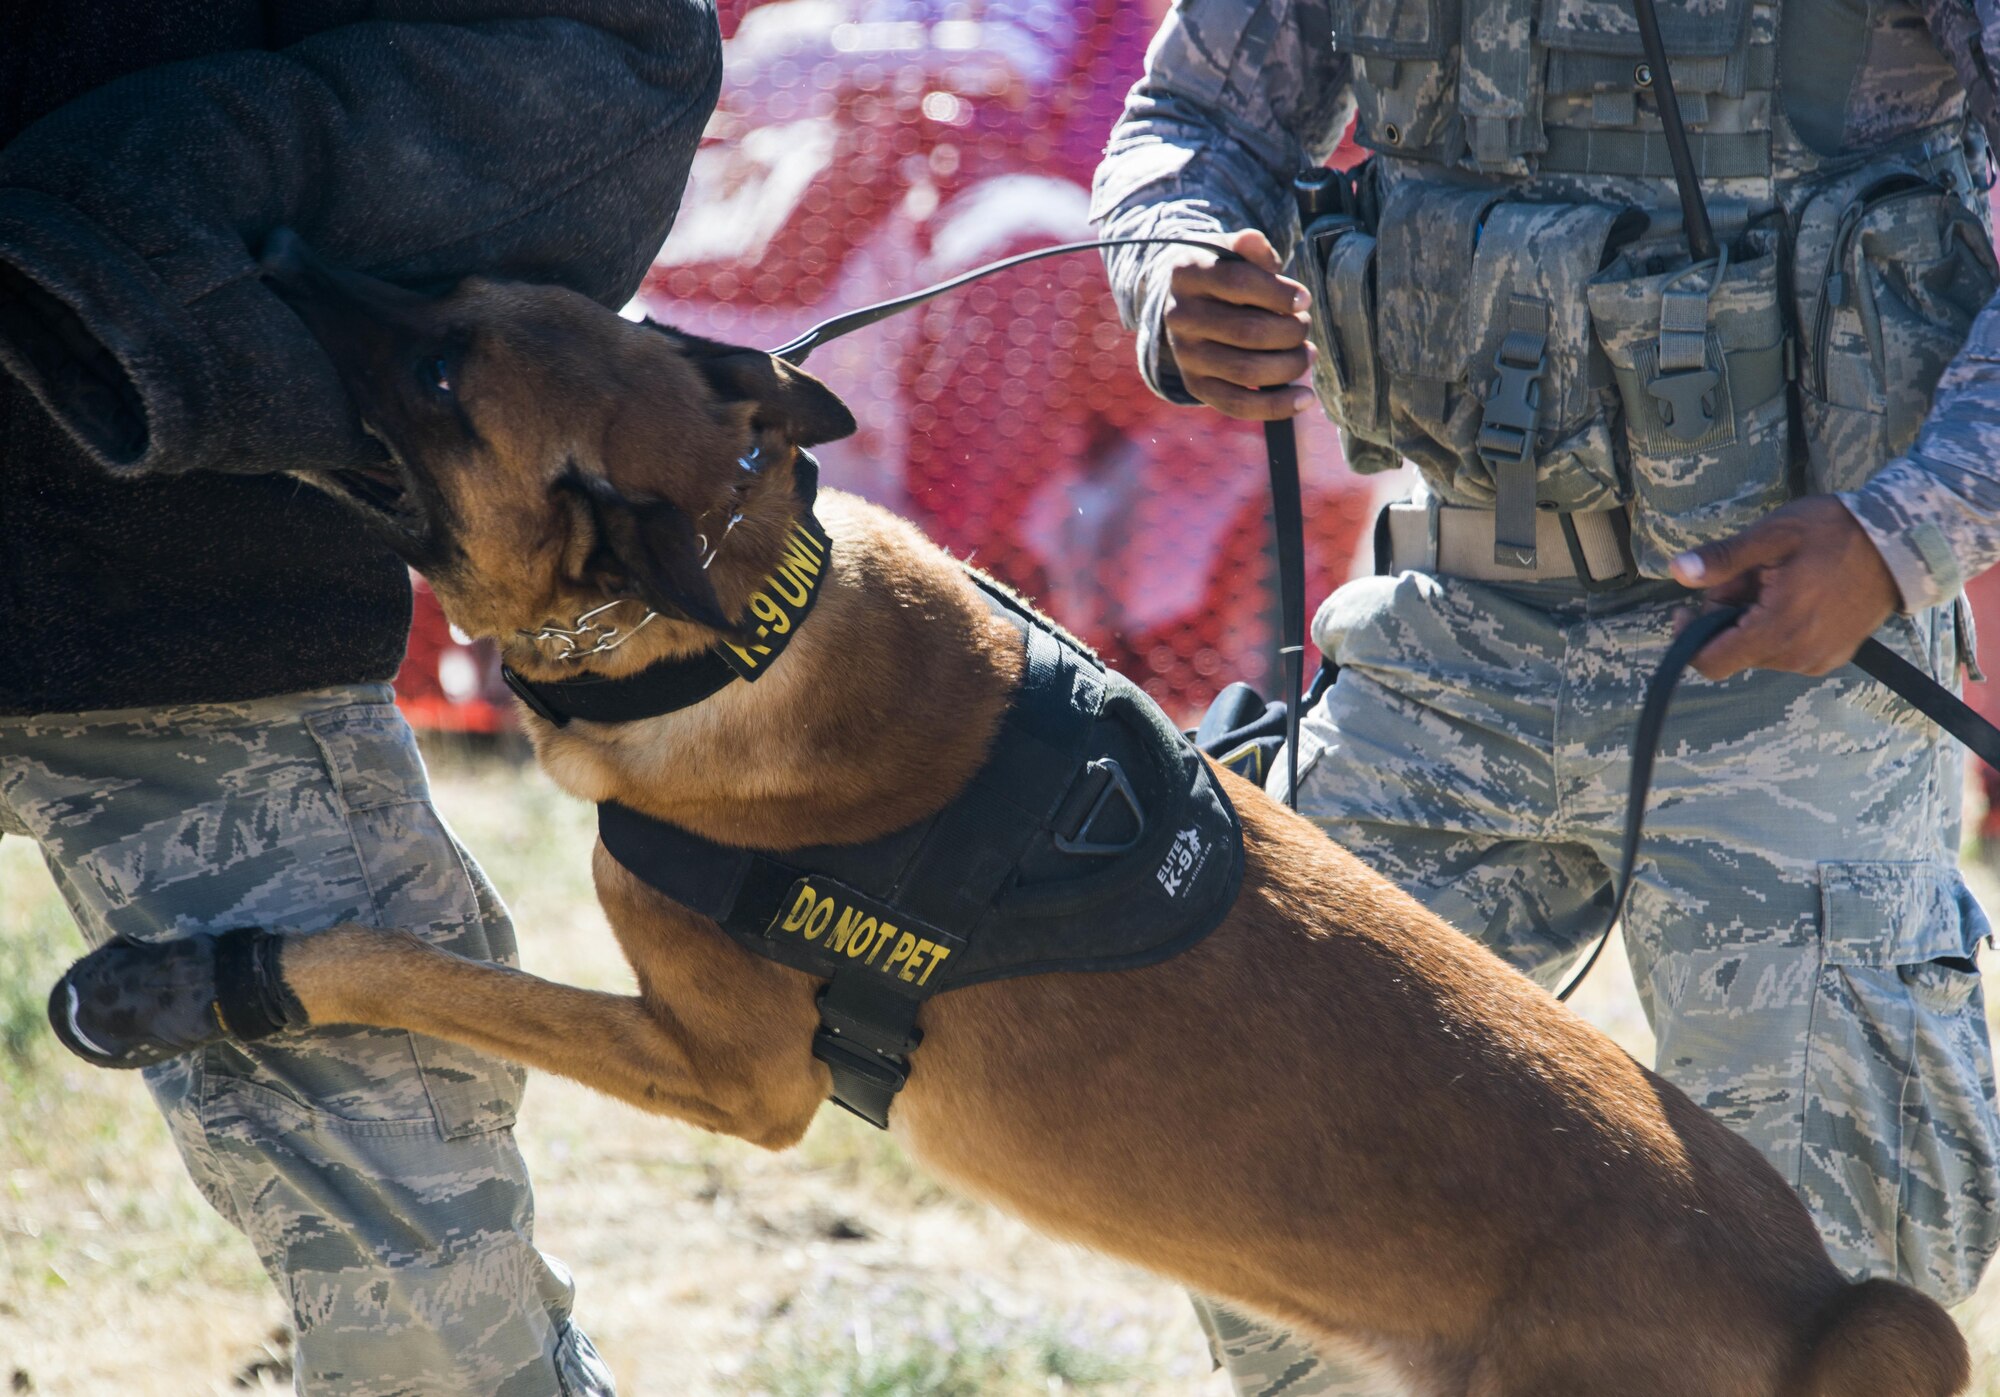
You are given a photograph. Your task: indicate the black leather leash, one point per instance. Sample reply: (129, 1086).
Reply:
(1281, 451)
(1874, 659)
(1908, 682)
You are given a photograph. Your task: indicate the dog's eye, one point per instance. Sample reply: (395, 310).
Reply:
(438, 373)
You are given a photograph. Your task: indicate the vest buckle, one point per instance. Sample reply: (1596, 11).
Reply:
(1687, 401)
(1507, 426)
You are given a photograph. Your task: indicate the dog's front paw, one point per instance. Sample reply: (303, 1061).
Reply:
(137, 1003)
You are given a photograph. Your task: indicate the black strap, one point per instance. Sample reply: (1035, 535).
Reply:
(1931, 699)
(251, 997)
(866, 1035)
(1875, 659)
(656, 689)
(1694, 209)
(1281, 449)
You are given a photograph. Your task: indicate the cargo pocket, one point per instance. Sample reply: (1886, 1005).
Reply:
(1890, 271)
(1407, 54)
(420, 881)
(1486, 347)
(1699, 353)
(1899, 1122)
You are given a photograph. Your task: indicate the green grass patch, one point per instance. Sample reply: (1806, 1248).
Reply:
(37, 943)
(895, 1340)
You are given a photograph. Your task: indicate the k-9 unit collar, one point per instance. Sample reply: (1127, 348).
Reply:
(776, 610)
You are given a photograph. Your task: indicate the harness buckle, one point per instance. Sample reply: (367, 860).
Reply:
(865, 1038)
(1081, 843)
(878, 1069)
(1507, 426)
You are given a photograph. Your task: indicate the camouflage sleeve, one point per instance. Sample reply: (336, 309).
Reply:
(1235, 100)
(1935, 513)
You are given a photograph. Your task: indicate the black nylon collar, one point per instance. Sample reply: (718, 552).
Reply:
(777, 608)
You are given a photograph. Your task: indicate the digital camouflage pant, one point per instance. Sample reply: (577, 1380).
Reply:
(1799, 934)
(375, 1172)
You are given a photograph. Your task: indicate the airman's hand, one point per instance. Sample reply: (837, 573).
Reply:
(1236, 327)
(1812, 584)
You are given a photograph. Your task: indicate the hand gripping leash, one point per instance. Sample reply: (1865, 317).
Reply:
(1281, 451)
(1874, 659)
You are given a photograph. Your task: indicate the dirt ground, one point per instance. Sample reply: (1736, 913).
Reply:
(705, 1268)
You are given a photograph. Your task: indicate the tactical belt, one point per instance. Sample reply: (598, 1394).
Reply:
(1092, 838)
(1454, 541)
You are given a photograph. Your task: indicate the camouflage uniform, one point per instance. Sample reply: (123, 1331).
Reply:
(374, 1171)
(1799, 933)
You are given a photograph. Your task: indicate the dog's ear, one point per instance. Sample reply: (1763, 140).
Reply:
(786, 399)
(647, 549)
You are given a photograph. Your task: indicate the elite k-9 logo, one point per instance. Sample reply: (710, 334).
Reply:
(1183, 861)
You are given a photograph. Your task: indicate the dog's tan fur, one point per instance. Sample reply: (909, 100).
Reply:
(1335, 1110)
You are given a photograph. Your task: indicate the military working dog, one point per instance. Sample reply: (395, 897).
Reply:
(1334, 1109)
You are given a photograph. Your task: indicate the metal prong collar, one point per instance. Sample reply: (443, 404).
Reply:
(587, 636)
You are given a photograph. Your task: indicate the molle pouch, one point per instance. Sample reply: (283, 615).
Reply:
(1890, 270)
(1405, 57)
(1700, 356)
(1598, 87)
(1494, 386)
(1337, 258)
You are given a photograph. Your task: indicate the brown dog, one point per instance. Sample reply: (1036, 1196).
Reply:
(1334, 1110)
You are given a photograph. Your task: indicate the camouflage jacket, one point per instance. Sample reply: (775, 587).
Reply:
(1235, 100)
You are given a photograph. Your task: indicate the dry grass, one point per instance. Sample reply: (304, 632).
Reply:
(705, 1268)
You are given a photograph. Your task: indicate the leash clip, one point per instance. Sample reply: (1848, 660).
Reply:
(587, 636)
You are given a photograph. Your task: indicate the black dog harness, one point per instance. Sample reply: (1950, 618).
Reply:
(1094, 837)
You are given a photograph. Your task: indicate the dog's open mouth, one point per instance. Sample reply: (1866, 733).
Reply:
(383, 490)
(379, 488)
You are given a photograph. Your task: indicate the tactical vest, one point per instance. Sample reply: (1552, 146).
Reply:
(1507, 299)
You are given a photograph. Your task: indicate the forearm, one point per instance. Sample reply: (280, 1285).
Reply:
(543, 149)
(1935, 514)
(1234, 102)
